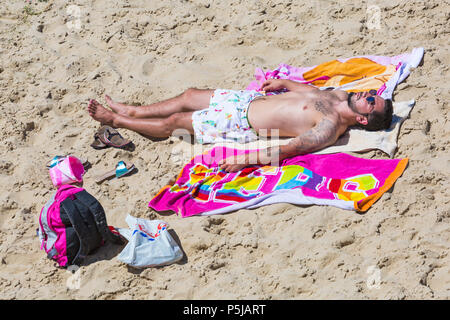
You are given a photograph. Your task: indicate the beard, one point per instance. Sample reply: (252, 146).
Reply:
(350, 103)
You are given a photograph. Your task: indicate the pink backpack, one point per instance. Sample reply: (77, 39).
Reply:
(72, 224)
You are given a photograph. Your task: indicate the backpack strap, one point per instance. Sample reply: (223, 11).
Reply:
(99, 216)
(94, 239)
(80, 229)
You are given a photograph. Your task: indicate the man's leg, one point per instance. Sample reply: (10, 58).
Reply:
(158, 128)
(190, 100)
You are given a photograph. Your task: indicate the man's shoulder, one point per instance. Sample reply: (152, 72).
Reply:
(330, 125)
(333, 124)
(327, 122)
(336, 94)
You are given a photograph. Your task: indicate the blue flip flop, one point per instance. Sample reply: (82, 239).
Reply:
(121, 170)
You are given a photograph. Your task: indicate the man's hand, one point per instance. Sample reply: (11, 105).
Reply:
(273, 85)
(257, 157)
(279, 84)
(234, 163)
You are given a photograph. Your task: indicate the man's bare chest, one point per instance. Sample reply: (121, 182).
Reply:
(291, 116)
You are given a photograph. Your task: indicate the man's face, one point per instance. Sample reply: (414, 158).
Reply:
(358, 102)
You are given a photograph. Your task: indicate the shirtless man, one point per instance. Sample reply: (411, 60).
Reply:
(316, 118)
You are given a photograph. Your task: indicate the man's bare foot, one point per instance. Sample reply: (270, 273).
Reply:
(100, 113)
(119, 108)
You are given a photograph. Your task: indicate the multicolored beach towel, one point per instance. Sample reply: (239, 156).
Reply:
(340, 180)
(355, 74)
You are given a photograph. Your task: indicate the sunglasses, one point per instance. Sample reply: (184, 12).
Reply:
(371, 100)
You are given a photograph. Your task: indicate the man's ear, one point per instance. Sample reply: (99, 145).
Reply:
(362, 120)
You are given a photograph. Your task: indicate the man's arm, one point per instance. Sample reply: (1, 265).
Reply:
(299, 87)
(320, 136)
(279, 84)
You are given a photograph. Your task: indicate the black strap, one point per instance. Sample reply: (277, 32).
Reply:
(79, 227)
(52, 253)
(99, 216)
(95, 239)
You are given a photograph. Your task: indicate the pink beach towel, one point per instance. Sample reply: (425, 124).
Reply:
(340, 180)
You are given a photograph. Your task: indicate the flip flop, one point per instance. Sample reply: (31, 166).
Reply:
(111, 137)
(98, 144)
(121, 170)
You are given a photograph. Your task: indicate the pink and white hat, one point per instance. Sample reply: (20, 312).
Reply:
(65, 170)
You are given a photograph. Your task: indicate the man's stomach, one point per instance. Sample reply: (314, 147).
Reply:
(273, 116)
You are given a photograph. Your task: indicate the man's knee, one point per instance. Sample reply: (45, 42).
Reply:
(190, 94)
(196, 99)
(176, 121)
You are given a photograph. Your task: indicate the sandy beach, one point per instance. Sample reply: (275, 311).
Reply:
(54, 59)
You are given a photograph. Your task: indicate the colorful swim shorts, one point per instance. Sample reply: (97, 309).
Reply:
(226, 118)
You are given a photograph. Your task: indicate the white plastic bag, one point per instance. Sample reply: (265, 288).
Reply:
(149, 244)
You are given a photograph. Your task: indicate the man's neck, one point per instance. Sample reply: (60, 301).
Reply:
(346, 114)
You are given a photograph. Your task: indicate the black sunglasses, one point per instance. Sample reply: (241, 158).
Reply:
(371, 99)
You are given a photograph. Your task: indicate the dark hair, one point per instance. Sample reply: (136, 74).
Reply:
(379, 120)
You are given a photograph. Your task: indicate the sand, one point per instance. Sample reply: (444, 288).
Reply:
(141, 53)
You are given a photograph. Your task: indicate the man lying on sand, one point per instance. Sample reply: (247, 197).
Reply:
(314, 117)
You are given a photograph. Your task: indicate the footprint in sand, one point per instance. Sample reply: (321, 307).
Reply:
(147, 67)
